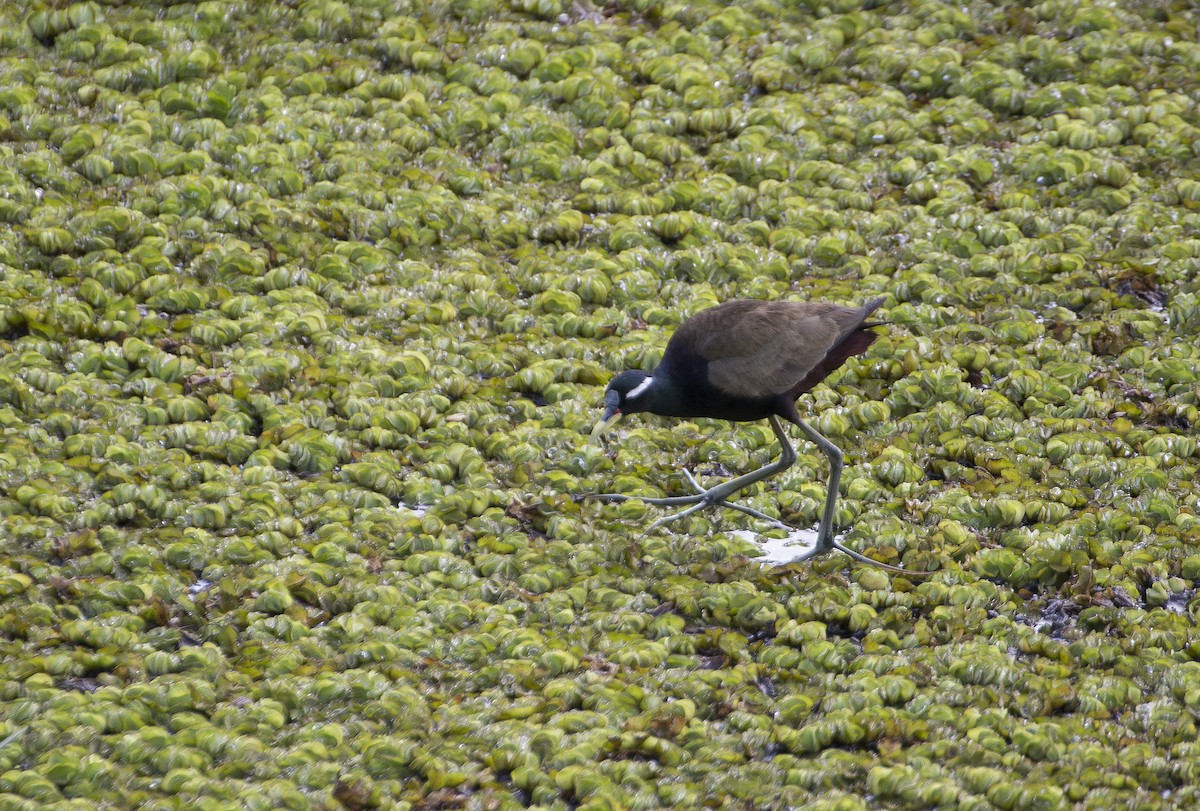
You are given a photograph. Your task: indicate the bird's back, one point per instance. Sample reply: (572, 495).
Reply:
(753, 352)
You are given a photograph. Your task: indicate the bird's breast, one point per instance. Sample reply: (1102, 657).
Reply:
(691, 395)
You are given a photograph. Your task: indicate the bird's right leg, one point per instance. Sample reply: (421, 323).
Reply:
(699, 488)
(717, 495)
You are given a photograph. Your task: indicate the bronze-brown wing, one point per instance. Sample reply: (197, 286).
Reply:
(765, 348)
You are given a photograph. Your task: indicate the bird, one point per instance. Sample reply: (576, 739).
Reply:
(745, 360)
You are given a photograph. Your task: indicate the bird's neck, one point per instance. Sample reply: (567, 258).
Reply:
(666, 397)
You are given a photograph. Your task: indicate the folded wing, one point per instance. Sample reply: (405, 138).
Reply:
(768, 348)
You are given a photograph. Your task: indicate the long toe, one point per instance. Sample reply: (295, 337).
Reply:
(606, 497)
(667, 519)
(669, 501)
(753, 513)
(699, 488)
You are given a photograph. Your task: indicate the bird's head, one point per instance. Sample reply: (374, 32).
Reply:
(627, 393)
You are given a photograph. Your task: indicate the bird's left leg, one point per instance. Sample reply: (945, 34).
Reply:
(825, 542)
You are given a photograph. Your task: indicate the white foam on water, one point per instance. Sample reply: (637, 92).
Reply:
(199, 586)
(780, 550)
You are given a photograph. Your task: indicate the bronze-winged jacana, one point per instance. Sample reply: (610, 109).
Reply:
(745, 360)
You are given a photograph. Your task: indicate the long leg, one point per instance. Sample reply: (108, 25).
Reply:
(717, 495)
(699, 488)
(825, 542)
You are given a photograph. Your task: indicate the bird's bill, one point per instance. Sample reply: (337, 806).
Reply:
(609, 421)
(612, 413)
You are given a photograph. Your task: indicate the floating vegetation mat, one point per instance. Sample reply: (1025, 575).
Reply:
(305, 313)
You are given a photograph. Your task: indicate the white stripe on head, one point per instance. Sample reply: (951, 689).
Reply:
(640, 388)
